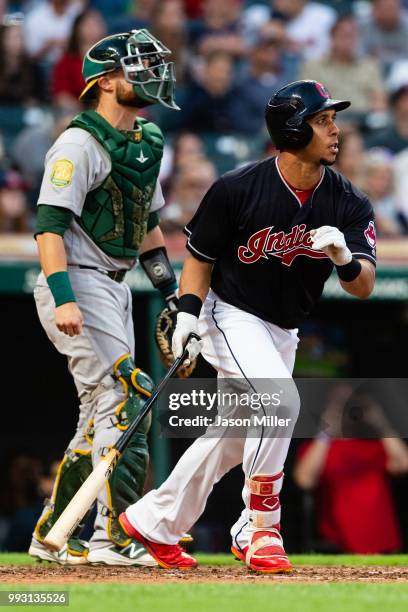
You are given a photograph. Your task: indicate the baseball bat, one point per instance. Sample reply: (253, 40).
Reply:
(88, 492)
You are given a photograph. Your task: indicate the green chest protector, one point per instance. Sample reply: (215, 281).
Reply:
(115, 215)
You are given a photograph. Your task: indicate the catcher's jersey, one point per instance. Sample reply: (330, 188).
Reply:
(254, 229)
(75, 164)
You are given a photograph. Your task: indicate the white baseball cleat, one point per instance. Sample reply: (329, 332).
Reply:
(66, 556)
(133, 554)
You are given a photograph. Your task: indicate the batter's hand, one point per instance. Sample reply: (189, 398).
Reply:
(331, 241)
(68, 319)
(186, 324)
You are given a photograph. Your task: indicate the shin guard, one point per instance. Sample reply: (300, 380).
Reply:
(125, 486)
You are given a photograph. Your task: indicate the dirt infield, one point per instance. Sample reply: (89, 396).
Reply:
(49, 573)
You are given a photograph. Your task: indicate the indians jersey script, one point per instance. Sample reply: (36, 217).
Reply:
(253, 227)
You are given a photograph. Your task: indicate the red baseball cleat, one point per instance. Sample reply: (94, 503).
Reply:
(266, 554)
(239, 554)
(169, 556)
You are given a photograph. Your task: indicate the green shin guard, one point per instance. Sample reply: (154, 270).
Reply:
(73, 470)
(126, 484)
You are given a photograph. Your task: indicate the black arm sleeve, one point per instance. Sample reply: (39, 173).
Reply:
(54, 219)
(359, 229)
(211, 227)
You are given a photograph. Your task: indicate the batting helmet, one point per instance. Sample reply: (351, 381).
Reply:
(288, 109)
(141, 57)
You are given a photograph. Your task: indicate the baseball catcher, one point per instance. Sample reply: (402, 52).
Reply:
(98, 213)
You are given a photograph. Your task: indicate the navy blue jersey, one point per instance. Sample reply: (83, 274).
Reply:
(254, 229)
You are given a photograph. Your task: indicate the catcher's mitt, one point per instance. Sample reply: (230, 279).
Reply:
(165, 325)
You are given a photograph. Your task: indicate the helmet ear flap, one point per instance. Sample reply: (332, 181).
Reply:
(303, 137)
(286, 126)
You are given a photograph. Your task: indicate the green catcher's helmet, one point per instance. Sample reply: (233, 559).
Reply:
(141, 57)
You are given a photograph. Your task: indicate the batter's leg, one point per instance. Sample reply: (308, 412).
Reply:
(165, 513)
(264, 456)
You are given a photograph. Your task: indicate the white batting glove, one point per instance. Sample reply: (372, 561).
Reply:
(186, 324)
(331, 241)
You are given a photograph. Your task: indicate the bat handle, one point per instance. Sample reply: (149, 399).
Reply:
(191, 336)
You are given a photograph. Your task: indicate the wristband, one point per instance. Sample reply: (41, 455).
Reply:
(190, 303)
(158, 269)
(60, 287)
(350, 271)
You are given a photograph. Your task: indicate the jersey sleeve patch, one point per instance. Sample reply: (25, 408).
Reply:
(360, 230)
(369, 233)
(62, 173)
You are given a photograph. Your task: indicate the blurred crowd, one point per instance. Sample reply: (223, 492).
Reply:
(231, 56)
(347, 472)
(25, 482)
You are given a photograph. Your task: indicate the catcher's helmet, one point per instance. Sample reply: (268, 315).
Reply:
(141, 57)
(287, 110)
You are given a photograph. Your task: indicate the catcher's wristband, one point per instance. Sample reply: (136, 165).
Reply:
(190, 303)
(158, 269)
(60, 287)
(350, 271)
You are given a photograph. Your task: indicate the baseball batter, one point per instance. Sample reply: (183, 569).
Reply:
(261, 246)
(97, 214)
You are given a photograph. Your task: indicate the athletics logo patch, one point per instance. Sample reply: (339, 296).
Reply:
(285, 246)
(62, 173)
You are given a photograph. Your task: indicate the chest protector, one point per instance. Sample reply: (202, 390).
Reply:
(115, 215)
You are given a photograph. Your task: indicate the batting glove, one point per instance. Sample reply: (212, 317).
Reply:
(331, 241)
(186, 324)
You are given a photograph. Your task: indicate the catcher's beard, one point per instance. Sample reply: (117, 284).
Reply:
(126, 97)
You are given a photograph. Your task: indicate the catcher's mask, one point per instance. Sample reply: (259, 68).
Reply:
(143, 60)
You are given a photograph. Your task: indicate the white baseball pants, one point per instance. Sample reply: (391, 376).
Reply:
(107, 334)
(238, 345)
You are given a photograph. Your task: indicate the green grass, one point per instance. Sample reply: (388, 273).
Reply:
(227, 559)
(220, 597)
(335, 597)
(400, 560)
